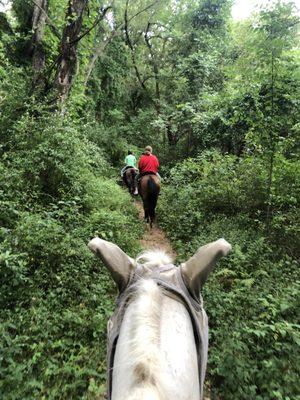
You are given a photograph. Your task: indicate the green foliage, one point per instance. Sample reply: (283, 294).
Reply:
(253, 313)
(56, 193)
(210, 15)
(193, 83)
(252, 297)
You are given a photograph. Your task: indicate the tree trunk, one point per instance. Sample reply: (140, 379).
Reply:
(98, 51)
(155, 70)
(68, 47)
(130, 45)
(38, 27)
(172, 137)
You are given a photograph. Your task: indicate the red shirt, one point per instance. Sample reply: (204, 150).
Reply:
(148, 163)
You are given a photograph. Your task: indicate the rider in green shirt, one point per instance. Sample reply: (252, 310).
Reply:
(130, 161)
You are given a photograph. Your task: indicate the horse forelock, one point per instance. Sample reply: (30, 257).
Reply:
(153, 259)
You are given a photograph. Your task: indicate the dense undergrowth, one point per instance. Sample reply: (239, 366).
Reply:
(252, 297)
(219, 96)
(57, 191)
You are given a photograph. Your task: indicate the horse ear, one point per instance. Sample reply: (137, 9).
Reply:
(196, 270)
(119, 264)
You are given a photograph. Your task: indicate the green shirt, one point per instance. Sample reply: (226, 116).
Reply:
(130, 160)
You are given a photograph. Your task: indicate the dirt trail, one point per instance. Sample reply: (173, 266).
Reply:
(154, 238)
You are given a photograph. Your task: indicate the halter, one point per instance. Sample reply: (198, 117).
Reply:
(178, 292)
(161, 268)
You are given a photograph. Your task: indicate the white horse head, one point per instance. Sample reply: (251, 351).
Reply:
(158, 335)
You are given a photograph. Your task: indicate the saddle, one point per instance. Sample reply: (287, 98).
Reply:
(141, 175)
(146, 173)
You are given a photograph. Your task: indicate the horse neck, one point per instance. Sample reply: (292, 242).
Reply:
(155, 356)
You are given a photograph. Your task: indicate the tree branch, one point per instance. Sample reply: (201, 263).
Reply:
(155, 68)
(129, 42)
(141, 11)
(48, 20)
(101, 47)
(98, 19)
(96, 54)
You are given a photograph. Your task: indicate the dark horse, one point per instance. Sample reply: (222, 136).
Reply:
(129, 179)
(149, 190)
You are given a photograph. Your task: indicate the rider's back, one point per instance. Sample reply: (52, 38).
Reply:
(130, 160)
(148, 163)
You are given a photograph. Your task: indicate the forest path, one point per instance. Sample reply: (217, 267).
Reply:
(154, 238)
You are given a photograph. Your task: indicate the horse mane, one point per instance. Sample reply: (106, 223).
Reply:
(145, 331)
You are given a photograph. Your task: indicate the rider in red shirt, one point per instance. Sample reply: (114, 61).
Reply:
(148, 162)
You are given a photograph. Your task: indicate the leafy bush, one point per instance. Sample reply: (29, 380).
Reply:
(253, 296)
(56, 193)
(213, 184)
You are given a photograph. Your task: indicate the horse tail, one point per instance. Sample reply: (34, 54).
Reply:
(148, 383)
(153, 192)
(133, 173)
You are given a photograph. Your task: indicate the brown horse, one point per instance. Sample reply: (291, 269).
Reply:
(149, 188)
(129, 179)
